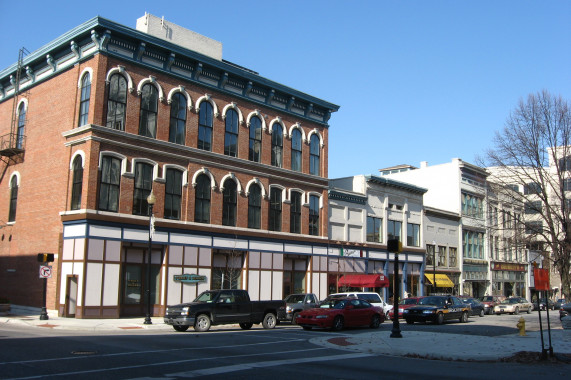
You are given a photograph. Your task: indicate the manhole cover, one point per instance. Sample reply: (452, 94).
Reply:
(83, 352)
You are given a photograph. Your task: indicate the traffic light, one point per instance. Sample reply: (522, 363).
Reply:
(45, 257)
(394, 246)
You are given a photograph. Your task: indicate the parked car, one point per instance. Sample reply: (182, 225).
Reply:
(374, 298)
(298, 302)
(558, 303)
(338, 312)
(541, 304)
(437, 309)
(513, 305)
(404, 304)
(491, 301)
(477, 307)
(223, 307)
(564, 310)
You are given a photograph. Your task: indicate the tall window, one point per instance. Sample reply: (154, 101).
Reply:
(231, 137)
(473, 243)
(21, 126)
(472, 206)
(314, 215)
(254, 207)
(314, 165)
(275, 213)
(13, 199)
(173, 194)
(255, 150)
(394, 230)
(532, 188)
(205, 116)
(143, 187)
(229, 203)
(202, 199)
(442, 262)
(77, 183)
(295, 213)
(149, 108)
(84, 102)
(374, 229)
(277, 145)
(117, 102)
(109, 186)
(413, 235)
(533, 207)
(296, 150)
(453, 255)
(177, 126)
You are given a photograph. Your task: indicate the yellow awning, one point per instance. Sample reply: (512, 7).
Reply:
(442, 280)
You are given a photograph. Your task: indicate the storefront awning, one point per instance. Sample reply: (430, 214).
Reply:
(364, 280)
(442, 280)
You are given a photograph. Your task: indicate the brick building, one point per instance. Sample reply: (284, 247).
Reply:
(94, 122)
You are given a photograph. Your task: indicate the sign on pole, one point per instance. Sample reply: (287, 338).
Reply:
(45, 271)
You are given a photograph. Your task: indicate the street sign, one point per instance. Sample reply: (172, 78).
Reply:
(45, 271)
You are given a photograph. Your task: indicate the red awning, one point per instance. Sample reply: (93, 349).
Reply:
(364, 280)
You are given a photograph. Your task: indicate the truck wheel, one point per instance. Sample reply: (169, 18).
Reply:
(294, 318)
(246, 325)
(269, 321)
(180, 328)
(464, 317)
(338, 323)
(202, 323)
(375, 322)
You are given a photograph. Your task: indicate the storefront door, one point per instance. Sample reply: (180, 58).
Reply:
(134, 296)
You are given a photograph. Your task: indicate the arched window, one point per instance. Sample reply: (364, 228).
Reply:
(231, 137)
(173, 194)
(255, 150)
(296, 150)
(229, 203)
(13, 199)
(205, 117)
(314, 155)
(202, 199)
(254, 207)
(143, 187)
(21, 126)
(314, 215)
(149, 107)
(109, 184)
(275, 212)
(277, 145)
(295, 213)
(178, 119)
(84, 101)
(77, 183)
(117, 102)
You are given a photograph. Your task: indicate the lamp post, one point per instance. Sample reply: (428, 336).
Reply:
(434, 268)
(395, 246)
(151, 199)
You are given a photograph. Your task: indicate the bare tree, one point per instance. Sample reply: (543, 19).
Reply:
(533, 152)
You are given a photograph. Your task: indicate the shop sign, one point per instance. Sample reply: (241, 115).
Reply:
(508, 266)
(189, 278)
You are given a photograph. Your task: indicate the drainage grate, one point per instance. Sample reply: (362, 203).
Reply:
(83, 352)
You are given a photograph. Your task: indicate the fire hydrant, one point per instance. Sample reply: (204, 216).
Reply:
(521, 326)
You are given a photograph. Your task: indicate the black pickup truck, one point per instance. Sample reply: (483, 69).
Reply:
(224, 307)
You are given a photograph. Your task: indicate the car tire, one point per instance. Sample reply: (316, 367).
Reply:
(464, 317)
(482, 313)
(306, 328)
(338, 323)
(269, 321)
(294, 318)
(439, 319)
(375, 322)
(529, 310)
(409, 322)
(246, 325)
(202, 323)
(180, 328)
(516, 312)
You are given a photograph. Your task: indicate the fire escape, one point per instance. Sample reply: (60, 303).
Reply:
(12, 144)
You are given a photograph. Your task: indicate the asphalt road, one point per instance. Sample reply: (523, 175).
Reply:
(283, 353)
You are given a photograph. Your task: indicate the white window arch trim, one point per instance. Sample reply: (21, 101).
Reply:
(121, 71)
(175, 167)
(18, 180)
(182, 90)
(279, 121)
(315, 132)
(231, 177)
(87, 70)
(116, 155)
(208, 173)
(295, 190)
(207, 98)
(77, 153)
(152, 80)
(319, 195)
(154, 164)
(235, 107)
(256, 181)
(282, 188)
(259, 115)
(298, 126)
(25, 102)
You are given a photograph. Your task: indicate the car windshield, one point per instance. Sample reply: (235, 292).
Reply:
(409, 301)
(487, 299)
(510, 301)
(206, 297)
(435, 301)
(332, 303)
(295, 298)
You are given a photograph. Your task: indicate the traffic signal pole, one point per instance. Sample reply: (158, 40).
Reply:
(44, 314)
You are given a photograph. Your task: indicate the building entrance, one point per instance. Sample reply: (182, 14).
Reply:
(134, 281)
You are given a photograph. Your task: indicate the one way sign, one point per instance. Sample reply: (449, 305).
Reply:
(45, 271)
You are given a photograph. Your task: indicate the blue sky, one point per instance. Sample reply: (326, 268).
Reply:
(416, 80)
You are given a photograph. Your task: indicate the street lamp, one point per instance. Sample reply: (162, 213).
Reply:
(434, 268)
(151, 199)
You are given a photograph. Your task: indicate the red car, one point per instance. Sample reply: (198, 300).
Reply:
(405, 304)
(337, 313)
